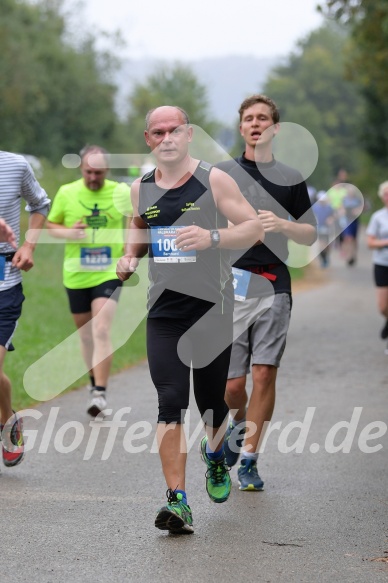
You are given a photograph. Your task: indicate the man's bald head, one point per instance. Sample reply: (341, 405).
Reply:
(166, 110)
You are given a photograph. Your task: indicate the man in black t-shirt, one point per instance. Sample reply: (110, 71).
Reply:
(262, 282)
(181, 211)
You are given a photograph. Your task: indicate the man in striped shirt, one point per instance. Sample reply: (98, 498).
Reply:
(17, 181)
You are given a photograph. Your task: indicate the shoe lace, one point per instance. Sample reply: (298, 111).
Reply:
(251, 468)
(16, 435)
(217, 471)
(172, 496)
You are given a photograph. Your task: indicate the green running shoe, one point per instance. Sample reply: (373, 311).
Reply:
(175, 516)
(218, 482)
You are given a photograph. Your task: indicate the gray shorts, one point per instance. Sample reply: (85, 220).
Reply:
(260, 332)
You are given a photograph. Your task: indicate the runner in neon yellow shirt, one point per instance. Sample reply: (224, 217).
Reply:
(89, 214)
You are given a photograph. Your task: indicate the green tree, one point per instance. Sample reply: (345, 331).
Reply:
(171, 85)
(367, 61)
(54, 95)
(311, 90)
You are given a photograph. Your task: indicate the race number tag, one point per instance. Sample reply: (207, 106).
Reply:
(2, 268)
(96, 257)
(241, 281)
(164, 249)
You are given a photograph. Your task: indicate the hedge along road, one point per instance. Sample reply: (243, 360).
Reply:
(87, 515)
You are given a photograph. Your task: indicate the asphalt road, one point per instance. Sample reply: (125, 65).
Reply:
(87, 515)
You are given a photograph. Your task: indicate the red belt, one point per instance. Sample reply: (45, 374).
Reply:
(264, 270)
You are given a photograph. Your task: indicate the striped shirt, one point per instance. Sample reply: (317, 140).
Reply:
(17, 181)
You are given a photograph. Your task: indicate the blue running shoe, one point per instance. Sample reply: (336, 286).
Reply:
(218, 482)
(234, 437)
(248, 478)
(175, 516)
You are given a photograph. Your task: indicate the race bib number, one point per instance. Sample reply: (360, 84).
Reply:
(241, 281)
(164, 249)
(2, 268)
(96, 257)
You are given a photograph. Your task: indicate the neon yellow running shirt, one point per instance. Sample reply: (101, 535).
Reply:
(92, 260)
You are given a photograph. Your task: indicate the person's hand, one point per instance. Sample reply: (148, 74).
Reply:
(23, 258)
(271, 223)
(6, 234)
(126, 266)
(193, 237)
(77, 231)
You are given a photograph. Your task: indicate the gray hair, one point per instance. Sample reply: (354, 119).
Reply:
(88, 149)
(383, 186)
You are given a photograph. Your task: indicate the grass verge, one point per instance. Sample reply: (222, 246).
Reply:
(46, 323)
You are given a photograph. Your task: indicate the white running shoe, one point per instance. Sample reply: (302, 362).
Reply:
(97, 404)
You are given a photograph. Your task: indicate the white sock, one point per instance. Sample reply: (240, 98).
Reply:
(250, 456)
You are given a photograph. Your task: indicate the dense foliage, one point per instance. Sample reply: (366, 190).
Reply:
(57, 91)
(367, 63)
(55, 96)
(311, 90)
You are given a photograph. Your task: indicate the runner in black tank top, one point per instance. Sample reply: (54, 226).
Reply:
(185, 206)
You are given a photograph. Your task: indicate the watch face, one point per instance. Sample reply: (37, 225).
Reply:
(215, 237)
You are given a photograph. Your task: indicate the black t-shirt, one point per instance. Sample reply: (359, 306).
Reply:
(275, 187)
(191, 287)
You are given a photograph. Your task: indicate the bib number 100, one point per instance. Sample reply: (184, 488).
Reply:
(164, 249)
(166, 245)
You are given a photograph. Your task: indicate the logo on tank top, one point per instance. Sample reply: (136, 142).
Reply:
(98, 218)
(190, 206)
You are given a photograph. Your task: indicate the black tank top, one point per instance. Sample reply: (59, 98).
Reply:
(193, 284)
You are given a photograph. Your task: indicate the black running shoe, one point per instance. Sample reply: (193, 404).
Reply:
(234, 437)
(384, 331)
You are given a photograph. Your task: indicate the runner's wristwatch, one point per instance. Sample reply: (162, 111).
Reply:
(215, 238)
